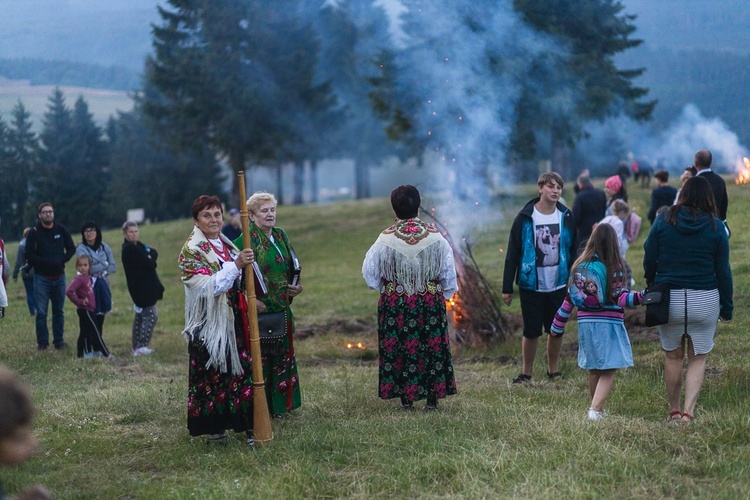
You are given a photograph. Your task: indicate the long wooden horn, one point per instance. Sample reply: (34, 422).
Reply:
(261, 419)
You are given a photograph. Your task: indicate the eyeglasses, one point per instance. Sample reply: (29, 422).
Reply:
(47, 212)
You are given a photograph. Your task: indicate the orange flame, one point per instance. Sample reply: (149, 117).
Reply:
(358, 345)
(454, 305)
(744, 176)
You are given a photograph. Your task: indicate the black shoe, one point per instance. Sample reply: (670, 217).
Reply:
(406, 404)
(249, 438)
(431, 407)
(553, 376)
(522, 378)
(42, 347)
(61, 345)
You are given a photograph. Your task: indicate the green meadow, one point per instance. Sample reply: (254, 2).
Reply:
(102, 103)
(116, 429)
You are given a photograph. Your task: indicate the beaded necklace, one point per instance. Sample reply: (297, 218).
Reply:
(223, 254)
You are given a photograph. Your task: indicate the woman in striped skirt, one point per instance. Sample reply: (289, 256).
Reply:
(689, 249)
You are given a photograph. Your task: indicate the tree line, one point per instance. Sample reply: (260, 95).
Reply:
(93, 173)
(472, 84)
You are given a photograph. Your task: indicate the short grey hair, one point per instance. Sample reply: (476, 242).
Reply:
(127, 225)
(259, 198)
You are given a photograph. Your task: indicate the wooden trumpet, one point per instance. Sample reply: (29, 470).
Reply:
(261, 418)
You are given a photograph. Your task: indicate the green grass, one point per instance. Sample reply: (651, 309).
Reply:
(117, 429)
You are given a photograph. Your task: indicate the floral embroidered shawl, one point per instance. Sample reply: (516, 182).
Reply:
(411, 253)
(208, 318)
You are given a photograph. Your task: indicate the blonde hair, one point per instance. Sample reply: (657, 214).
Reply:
(620, 206)
(258, 199)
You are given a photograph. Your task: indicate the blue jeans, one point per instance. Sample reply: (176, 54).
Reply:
(28, 284)
(46, 290)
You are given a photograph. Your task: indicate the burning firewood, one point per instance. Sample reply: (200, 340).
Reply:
(476, 318)
(744, 176)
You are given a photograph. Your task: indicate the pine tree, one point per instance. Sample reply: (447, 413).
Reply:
(51, 180)
(24, 147)
(227, 79)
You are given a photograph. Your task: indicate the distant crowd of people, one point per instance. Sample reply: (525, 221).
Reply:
(40, 260)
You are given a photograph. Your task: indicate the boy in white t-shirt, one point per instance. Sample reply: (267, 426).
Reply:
(541, 248)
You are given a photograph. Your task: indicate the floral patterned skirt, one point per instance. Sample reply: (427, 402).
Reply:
(217, 401)
(282, 381)
(414, 347)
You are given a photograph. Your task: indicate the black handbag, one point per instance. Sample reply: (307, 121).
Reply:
(656, 300)
(272, 328)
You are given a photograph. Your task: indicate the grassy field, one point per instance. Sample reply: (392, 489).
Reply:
(102, 103)
(116, 429)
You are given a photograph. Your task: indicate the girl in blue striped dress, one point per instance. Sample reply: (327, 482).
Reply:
(599, 289)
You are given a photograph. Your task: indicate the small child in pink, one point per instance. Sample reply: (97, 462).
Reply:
(81, 293)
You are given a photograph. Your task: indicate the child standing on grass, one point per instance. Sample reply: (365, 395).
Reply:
(603, 344)
(81, 293)
(17, 442)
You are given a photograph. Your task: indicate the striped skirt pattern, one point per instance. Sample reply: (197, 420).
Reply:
(693, 313)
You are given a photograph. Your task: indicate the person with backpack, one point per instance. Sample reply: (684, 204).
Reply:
(27, 273)
(48, 247)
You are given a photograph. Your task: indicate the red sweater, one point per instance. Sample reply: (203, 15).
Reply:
(80, 289)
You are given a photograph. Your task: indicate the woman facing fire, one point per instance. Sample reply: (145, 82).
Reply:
(411, 264)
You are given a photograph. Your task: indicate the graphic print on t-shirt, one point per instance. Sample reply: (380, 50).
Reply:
(547, 246)
(547, 242)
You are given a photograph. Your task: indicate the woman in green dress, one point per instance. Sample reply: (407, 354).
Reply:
(275, 258)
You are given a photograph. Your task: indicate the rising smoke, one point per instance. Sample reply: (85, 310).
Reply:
(672, 147)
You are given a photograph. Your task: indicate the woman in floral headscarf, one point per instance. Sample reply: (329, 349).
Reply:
(220, 395)
(411, 264)
(276, 261)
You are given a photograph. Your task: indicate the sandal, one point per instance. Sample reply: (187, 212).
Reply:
(674, 416)
(687, 416)
(522, 378)
(553, 376)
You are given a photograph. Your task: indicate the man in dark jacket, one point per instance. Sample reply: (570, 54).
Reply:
(702, 162)
(541, 249)
(48, 247)
(139, 263)
(663, 194)
(588, 209)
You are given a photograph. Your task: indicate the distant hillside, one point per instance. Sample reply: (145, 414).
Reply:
(694, 52)
(110, 32)
(76, 74)
(692, 24)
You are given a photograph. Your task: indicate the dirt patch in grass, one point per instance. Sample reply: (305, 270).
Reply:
(339, 326)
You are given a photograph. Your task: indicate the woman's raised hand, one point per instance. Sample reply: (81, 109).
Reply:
(244, 258)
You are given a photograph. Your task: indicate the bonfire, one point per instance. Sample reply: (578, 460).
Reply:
(474, 310)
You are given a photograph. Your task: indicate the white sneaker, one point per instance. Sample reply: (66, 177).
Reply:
(142, 351)
(595, 415)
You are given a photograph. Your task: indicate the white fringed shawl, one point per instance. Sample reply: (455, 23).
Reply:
(410, 253)
(209, 318)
